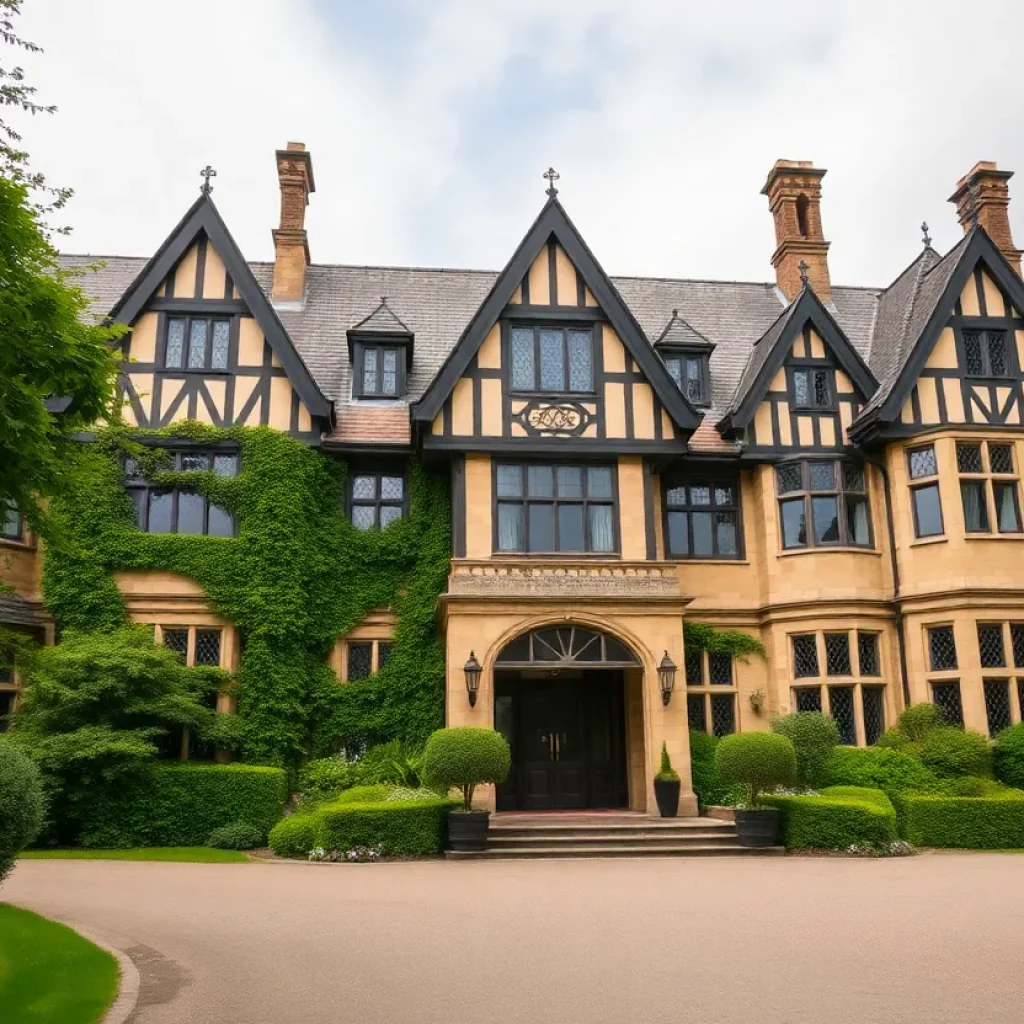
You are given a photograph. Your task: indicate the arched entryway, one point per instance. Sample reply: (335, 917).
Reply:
(560, 701)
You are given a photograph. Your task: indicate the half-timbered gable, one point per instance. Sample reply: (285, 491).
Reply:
(205, 343)
(553, 354)
(803, 385)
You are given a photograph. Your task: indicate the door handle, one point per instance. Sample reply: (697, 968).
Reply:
(558, 747)
(551, 746)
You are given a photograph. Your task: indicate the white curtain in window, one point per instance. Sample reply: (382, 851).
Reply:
(601, 528)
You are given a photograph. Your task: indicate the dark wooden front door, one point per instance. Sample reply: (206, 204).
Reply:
(567, 739)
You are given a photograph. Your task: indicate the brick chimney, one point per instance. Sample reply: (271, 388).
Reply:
(793, 189)
(982, 196)
(291, 249)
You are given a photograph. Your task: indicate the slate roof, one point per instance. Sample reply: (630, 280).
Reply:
(436, 305)
(679, 332)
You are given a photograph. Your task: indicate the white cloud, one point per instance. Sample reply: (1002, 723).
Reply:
(691, 104)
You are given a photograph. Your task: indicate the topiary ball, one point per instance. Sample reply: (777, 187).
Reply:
(814, 737)
(466, 756)
(761, 761)
(951, 753)
(239, 835)
(292, 836)
(22, 804)
(1009, 756)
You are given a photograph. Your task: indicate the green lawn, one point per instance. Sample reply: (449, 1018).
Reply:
(195, 854)
(50, 974)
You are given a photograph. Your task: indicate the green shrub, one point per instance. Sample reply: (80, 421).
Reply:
(893, 739)
(707, 783)
(892, 771)
(970, 823)
(21, 804)
(1009, 756)
(181, 804)
(666, 773)
(814, 737)
(759, 761)
(363, 795)
(865, 793)
(396, 763)
(293, 836)
(324, 778)
(239, 835)
(971, 785)
(919, 720)
(950, 753)
(835, 822)
(397, 827)
(465, 757)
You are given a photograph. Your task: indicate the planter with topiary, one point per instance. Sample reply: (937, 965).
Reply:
(666, 786)
(760, 762)
(463, 758)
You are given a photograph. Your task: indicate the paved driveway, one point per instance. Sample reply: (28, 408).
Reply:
(937, 938)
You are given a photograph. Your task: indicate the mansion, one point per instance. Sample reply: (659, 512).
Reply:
(834, 471)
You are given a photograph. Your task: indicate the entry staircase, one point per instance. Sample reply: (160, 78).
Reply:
(608, 834)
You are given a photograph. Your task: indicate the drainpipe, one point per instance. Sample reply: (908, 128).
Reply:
(879, 464)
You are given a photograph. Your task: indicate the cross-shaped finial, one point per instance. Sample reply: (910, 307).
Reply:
(552, 176)
(803, 268)
(925, 237)
(206, 174)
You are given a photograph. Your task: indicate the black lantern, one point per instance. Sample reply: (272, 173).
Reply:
(473, 668)
(667, 678)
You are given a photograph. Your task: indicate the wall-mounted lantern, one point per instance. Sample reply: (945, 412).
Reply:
(472, 668)
(667, 678)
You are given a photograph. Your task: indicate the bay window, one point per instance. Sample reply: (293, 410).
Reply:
(823, 503)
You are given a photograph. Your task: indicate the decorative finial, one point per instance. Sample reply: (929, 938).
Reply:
(925, 237)
(384, 300)
(552, 176)
(206, 174)
(802, 267)
(675, 313)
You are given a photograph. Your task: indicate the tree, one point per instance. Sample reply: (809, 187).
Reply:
(98, 709)
(51, 349)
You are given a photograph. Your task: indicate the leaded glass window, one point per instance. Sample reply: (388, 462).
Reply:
(197, 343)
(812, 389)
(221, 342)
(376, 499)
(805, 656)
(720, 669)
(182, 510)
(379, 371)
(947, 697)
(922, 462)
(873, 703)
(702, 518)
(208, 647)
(694, 668)
(997, 705)
(837, 654)
(942, 648)
(177, 640)
(987, 468)
(990, 646)
(175, 346)
(549, 508)
(11, 525)
(360, 661)
(723, 714)
(823, 503)
(867, 654)
(985, 353)
(840, 702)
(807, 698)
(695, 712)
(554, 360)
(383, 654)
(691, 373)
(1017, 641)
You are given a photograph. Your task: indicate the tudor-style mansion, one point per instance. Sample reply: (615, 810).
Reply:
(834, 471)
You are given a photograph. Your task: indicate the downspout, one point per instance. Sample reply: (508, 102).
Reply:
(894, 565)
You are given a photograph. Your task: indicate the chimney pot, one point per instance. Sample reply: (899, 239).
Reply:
(793, 189)
(291, 246)
(982, 197)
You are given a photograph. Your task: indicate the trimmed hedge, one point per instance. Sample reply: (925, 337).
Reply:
(465, 756)
(1009, 756)
(181, 804)
(239, 835)
(967, 823)
(398, 827)
(892, 771)
(814, 737)
(952, 753)
(22, 804)
(865, 793)
(707, 783)
(293, 836)
(835, 822)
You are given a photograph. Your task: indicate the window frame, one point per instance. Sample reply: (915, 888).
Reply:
(524, 502)
(359, 390)
(683, 479)
(376, 503)
(985, 334)
(710, 693)
(207, 367)
(7, 510)
(681, 356)
(806, 494)
(565, 327)
(192, 748)
(921, 483)
(988, 481)
(811, 368)
(343, 647)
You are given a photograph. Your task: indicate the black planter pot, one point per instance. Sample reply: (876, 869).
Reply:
(758, 827)
(467, 830)
(667, 795)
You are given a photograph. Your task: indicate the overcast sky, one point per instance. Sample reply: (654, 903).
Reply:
(431, 121)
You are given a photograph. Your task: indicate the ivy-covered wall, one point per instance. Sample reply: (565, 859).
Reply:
(296, 576)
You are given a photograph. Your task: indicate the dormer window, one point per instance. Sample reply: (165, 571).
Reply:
(379, 371)
(691, 373)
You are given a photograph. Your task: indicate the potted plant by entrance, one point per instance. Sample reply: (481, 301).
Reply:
(464, 757)
(760, 762)
(666, 786)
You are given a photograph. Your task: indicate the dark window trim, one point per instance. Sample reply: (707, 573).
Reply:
(12, 538)
(807, 495)
(358, 364)
(377, 470)
(811, 366)
(703, 357)
(583, 463)
(525, 323)
(1011, 371)
(988, 481)
(210, 319)
(682, 479)
(920, 483)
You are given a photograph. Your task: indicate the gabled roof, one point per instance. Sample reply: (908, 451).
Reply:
(914, 310)
(553, 221)
(383, 320)
(204, 218)
(770, 351)
(678, 333)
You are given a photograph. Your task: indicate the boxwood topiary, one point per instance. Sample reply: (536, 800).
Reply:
(759, 761)
(865, 793)
(397, 827)
(293, 836)
(951, 753)
(835, 822)
(464, 757)
(239, 835)
(1009, 756)
(814, 737)
(21, 804)
(971, 823)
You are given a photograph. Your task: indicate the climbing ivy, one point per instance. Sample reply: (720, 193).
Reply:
(296, 576)
(700, 636)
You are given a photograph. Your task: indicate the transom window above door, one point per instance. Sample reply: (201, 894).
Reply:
(552, 360)
(566, 645)
(197, 343)
(559, 509)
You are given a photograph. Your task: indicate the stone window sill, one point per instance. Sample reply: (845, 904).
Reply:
(792, 552)
(18, 545)
(707, 561)
(994, 536)
(922, 541)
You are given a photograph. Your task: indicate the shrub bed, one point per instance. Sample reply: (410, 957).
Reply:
(968, 823)
(892, 771)
(835, 822)
(181, 804)
(707, 783)
(293, 836)
(1009, 756)
(396, 827)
